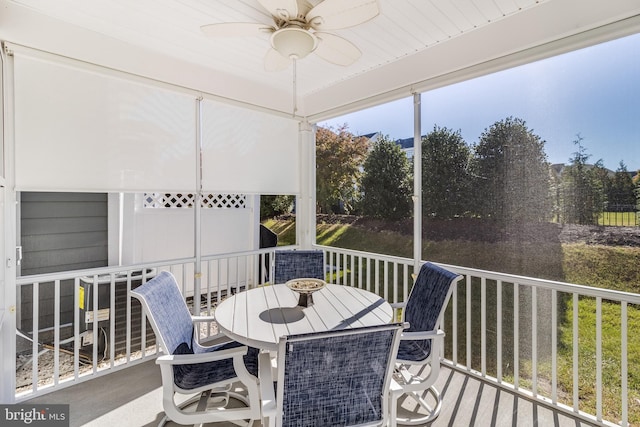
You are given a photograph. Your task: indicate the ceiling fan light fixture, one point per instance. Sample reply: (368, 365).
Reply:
(294, 43)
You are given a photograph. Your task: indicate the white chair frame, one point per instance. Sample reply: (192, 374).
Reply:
(414, 378)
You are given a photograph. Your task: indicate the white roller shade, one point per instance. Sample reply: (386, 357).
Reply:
(79, 130)
(247, 151)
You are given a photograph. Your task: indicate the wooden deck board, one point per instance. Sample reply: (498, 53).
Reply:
(133, 398)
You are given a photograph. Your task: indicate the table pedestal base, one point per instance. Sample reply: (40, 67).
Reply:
(305, 300)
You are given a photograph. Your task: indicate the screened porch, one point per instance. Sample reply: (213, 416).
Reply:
(179, 136)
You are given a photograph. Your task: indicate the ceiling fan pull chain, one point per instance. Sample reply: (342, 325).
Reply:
(295, 84)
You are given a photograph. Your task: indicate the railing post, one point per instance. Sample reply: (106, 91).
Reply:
(598, 358)
(554, 346)
(197, 207)
(483, 326)
(516, 335)
(576, 379)
(534, 341)
(624, 366)
(499, 331)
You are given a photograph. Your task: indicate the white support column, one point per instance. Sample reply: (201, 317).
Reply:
(305, 202)
(417, 183)
(8, 229)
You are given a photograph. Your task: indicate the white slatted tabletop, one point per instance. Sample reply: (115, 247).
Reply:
(260, 316)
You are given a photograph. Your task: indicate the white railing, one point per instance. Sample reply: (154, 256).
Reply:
(385, 275)
(537, 337)
(534, 337)
(57, 343)
(531, 336)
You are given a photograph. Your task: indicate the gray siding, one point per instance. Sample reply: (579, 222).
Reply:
(59, 232)
(63, 231)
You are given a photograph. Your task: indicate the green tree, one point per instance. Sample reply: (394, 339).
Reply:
(445, 182)
(386, 183)
(339, 159)
(556, 188)
(582, 194)
(271, 206)
(511, 174)
(620, 192)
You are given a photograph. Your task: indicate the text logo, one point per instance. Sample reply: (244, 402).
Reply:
(34, 415)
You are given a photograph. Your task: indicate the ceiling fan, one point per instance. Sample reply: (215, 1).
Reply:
(300, 28)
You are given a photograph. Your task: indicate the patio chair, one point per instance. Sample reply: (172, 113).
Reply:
(209, 373)
(334, 378)
(294, 264)
(418, 359)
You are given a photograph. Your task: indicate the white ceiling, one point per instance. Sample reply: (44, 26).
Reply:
(411, 45)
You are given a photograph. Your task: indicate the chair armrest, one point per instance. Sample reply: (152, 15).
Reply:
(198, 319)
(187, 359)
(395, 388)
(214, 340)
(204, 319)
(267, 391)
(422, 335)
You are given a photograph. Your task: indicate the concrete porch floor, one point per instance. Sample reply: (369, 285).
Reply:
(132, 397)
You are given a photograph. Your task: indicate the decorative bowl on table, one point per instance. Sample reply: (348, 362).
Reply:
(305, 287)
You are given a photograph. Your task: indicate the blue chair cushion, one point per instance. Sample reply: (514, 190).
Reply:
(167, 308)
(424, 307)
(193, 376)
(294, 264)
(336, 380)
(414, 350)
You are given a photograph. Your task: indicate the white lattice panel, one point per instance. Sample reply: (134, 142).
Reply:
(182, 200)
(224, 201)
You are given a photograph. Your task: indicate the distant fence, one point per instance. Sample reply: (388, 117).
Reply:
(620, 215)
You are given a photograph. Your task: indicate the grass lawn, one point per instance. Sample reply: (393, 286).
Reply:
(611, 360)
(285, 229)
(626, 219)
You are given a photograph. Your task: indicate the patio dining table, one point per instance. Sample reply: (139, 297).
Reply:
(260, 316)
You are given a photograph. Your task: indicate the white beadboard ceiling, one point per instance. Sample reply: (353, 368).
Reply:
(411, 45)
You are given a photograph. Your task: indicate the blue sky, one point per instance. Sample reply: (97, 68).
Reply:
(594, 92)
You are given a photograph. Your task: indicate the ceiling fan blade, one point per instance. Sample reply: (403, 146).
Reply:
(273, 61)
(236, 29)
(337, 14)
(336, 50)
(282, 9)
